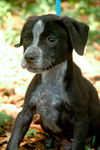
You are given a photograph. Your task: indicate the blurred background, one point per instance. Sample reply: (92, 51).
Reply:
(13, 79)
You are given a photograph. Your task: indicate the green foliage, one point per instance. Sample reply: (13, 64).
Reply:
(86, 8)
(94, 36)
(87, 147)
(7, 22)
(4, 11)
(4, 118)
(43, 7)
(31, 132)
(93, 140)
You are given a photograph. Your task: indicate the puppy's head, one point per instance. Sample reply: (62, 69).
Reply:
(49, 40)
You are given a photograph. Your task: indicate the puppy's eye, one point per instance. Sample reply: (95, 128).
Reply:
(51, 39)
(26, 38)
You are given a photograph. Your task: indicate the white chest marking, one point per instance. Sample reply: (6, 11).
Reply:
(57, 73)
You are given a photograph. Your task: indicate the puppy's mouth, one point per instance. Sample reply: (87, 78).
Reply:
(36, 67)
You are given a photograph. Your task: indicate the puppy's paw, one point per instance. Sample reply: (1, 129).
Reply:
(67, 145)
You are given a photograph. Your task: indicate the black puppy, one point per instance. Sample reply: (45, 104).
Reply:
(67, 103)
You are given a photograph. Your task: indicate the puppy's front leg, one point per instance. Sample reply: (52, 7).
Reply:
(80, 132)
(21, 126)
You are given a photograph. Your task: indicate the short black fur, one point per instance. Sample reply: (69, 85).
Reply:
(68, 103)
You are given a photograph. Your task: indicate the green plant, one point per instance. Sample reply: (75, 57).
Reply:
(7, 22)
(41, 7)
(87, 147)
(4, 118)
(31, 132)
(4, 11)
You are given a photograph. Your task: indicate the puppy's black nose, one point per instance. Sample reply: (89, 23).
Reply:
(29, 57)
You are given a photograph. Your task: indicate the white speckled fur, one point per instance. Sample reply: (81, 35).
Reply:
(56, 73)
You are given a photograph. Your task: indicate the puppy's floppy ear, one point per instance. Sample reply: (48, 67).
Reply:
(29, 20)
(20, 43)
(78, 33)
(17, 45)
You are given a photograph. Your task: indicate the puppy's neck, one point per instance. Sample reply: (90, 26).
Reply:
(57, 73)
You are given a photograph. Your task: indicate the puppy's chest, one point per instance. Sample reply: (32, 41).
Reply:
(48, 97)
(51, 92)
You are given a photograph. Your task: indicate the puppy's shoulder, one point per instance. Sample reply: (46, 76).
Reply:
(32, 86)
(77, 71)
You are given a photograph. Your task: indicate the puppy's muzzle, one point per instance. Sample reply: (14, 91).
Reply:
(30, 60)
(29, 57)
